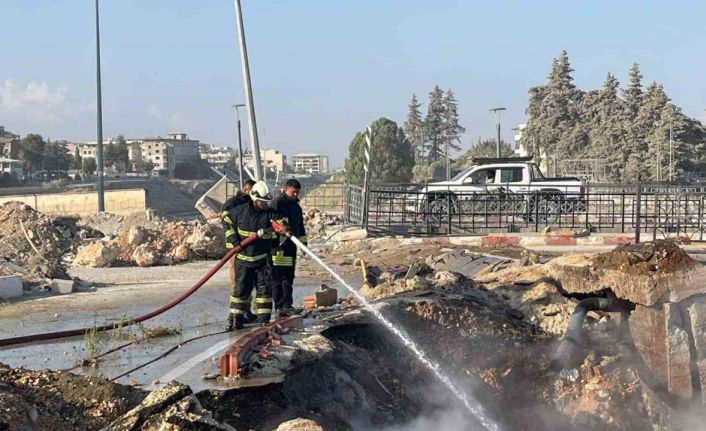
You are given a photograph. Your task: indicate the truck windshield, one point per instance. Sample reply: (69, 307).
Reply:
(461, 174)
(536, 173)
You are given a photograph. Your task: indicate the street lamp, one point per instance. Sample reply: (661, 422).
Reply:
(254, 143)
(497, 125)
(240, 143)
(99, 120)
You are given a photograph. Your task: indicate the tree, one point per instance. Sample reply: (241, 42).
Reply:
(452, 128)
(56, 157)
(193, 169)
(77, 163)
(144, 166)
(89, 166)
(626, 130)
(486, 148)
(391, 157)
(633, 94)
(122, 154)
(434, 125)
(110, 155)
(414, 127)
(32, 152)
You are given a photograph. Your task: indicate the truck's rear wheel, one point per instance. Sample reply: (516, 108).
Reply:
(438, 208)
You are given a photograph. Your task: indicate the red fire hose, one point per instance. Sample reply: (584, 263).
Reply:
(74, 332)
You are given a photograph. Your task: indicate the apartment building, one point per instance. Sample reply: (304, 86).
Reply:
(310, 164)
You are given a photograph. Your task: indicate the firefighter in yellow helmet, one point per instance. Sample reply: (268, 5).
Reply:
(254, 263)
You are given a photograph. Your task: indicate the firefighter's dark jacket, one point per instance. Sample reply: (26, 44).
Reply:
(293, 212)
(245, 220)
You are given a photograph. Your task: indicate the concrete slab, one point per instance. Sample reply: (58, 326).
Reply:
(62, 287)
(10, 286)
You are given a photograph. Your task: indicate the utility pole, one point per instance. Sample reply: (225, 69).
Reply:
(254, 143)
(448, 163)
(671, 152)
(240, 144)
(99, 119)
(497, 125)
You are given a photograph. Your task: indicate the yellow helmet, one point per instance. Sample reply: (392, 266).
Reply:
(260, 192)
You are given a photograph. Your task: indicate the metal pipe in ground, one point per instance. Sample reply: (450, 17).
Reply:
(567, 346)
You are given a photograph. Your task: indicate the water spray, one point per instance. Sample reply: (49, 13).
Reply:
(476, 410)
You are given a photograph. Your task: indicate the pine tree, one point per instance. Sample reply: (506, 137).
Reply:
(414, 128)
(630, 134)
(633, 94)
(77, 163)
(453, 129)
(435, 125)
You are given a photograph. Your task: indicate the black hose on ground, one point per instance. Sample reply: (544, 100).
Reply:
(567, 346)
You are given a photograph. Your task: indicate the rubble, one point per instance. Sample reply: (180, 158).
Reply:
(35, 241)
(97, 254)
(317, 221)
(47, 400)
(299, 424)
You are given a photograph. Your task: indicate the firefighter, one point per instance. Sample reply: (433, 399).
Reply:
(239, 198)
(254, 263)
(284, 258)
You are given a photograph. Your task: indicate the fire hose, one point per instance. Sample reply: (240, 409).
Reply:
(123, 323)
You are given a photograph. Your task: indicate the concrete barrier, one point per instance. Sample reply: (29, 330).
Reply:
(10, 287)
(122, 202)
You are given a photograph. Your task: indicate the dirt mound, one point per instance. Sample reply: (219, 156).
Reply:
(35, 241)
(46, 400)
(662, 257)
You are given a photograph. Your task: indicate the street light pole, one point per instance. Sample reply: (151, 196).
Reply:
(497, 125)
(99, 119)
(240, 144)
(671, 154)
(254, 143)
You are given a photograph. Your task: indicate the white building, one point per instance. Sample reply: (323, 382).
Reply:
(11, 167)
(272, 159)
(164, 153)
(218, 157)
(310, 164)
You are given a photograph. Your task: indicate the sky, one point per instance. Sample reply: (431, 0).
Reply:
(324, 69)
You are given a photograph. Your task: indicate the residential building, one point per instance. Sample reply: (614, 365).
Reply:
(9, 143)
(310, 164)
(164, 153)
(11, 167)
(273, 160)
(218, 157)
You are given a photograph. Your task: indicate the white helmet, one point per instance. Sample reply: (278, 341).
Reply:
(260, 192)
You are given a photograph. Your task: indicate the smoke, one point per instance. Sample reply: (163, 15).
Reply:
(440, 411)
(441, 420)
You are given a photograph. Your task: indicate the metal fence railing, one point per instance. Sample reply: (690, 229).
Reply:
(662, 214)
(327, 196)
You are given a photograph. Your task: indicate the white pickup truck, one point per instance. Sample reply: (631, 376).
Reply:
(503, 185)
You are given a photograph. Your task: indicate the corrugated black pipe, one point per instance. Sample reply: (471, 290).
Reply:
(563, 354)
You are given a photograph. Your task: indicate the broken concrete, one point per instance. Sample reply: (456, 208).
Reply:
(62, 287)
(299, 424)
(10, 287)
(97, 254)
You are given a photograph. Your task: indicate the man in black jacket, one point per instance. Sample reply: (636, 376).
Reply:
(240, 197)
(284, 259)
(254, 263)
